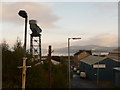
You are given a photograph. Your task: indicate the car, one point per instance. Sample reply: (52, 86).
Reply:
(78, 72)
(82, 74)
(74, 69)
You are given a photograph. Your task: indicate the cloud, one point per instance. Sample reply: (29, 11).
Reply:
(101, 39)
(38, 11)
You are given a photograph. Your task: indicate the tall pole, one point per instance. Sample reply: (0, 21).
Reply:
(24, 58)
(69, 59)
(69, 62)
(49, 60)
(40, 46)
(25, 38)
(31, 45)
(24, 67)
(23, 14)
(24, 73)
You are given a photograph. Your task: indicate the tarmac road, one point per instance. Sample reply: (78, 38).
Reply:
(78, 82)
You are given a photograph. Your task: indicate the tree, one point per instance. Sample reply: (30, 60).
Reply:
(5, 46)
(10, 61)
(37, 76)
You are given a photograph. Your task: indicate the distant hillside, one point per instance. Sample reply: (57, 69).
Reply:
(74, 49)
(94, 48)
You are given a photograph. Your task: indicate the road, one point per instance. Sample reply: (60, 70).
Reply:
(78, 82)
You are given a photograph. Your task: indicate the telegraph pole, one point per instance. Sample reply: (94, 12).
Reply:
(24, 67)
(24, 72)
(40, 46)
(49, 66)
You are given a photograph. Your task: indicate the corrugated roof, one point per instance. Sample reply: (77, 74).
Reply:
(115, 54)
(92, 59)
(55, 62)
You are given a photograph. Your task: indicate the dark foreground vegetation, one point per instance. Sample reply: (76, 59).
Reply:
(37, 76)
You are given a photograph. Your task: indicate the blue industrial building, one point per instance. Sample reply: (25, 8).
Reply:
(98, 68)
(117, 76)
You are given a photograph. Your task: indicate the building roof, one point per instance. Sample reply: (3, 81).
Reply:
(55, 62)
(92, 59)
(115, 54)
(117, 68)
(80, 51)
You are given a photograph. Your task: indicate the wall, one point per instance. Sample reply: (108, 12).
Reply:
(90, 71)
(107, 74)
(77, 58)
(117, 78)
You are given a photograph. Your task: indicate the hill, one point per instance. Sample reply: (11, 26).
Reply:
(73, 49)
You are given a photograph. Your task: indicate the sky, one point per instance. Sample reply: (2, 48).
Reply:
(95, 22)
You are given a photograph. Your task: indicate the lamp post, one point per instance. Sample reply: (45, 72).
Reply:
(69, 58)
(23, 14)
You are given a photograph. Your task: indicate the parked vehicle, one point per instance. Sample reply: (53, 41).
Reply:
(78, 71)
(82, 74)
(74, 69)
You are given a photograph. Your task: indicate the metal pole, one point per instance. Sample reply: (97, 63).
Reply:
(25, 38)
(69, 62)
(40, 46)
(69, 59)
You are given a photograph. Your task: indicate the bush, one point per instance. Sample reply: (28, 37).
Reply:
(36, 76)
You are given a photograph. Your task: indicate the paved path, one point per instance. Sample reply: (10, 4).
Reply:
(78, 82)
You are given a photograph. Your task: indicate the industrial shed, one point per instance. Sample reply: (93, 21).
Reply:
(117, 76)
(95, 66)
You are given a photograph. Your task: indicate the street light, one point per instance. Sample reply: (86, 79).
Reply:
(69, 58)
(23, 14)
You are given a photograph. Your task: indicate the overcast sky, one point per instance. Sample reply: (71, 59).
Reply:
(95, 22)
